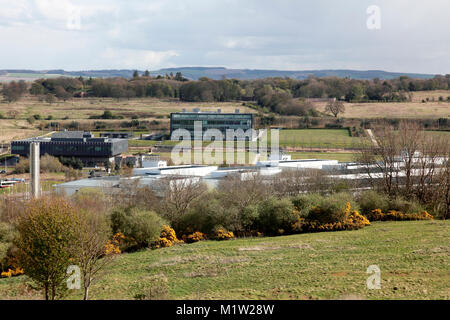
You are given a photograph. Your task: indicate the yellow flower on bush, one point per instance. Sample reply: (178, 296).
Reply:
(113, 246)
(11, 273)
(356, 218)
(393, 215)
(167, 238)
(224, 235)
(194, 237)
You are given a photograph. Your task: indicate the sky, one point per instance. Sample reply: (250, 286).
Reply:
(397, 36)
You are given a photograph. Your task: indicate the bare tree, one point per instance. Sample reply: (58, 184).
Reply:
(408, 162)
(178, 194)
(91, 253)
(335, 107)
(132, 194)
(239, 192)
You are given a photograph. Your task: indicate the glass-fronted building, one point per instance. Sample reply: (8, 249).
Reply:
(211, 120)
(77, 144)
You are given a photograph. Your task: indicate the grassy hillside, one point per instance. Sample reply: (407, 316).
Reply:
(414, 258)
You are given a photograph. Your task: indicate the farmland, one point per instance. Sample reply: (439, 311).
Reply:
(413, 258)
(157, 111)
(415, 109)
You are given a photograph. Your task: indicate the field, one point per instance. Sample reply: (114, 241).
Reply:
(77, 109)
(411, 110)
(26, 76)
(312, 141)
(150, 108)
(414, 259)
(322, 138)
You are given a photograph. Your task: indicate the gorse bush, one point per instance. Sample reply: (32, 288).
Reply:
(140, 227)
(194, 237)
(331, 209)
(203, 216)
(371, 200)
(305, 202)
(392, 215)
(276, 216)
(405, 206)
(223, 234)
(168, 238)
(350, 220)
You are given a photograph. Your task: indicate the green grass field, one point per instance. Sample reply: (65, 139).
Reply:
(318, 138)
(341, 157)
(314, 138)
(414, 258)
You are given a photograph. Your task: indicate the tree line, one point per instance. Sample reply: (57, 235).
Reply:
(284, 96)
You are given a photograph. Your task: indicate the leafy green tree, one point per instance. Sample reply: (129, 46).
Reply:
(37, 89)
(46, 237)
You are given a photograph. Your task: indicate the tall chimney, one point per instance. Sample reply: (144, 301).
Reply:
(35, 169)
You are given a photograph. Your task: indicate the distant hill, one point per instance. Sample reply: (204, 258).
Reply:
(217, 73)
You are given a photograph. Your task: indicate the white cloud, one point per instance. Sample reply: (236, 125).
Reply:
(280, 34)
(136, 59)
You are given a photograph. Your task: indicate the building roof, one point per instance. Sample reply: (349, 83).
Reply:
(72, 135)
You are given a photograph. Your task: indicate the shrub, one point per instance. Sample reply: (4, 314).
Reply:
(249, 217)
(332, 209)
(352, 220)
(371, 200)
(276, 216)
(31, 120)
(305, 202)
(222, 234)
(167, 238)
(51, 164)
(357, 219)
(23, 166)
(194, 237)
(405, 206)
(155, 288)
(392, 215)
(140, 227)
(203, 216)
(6, 232)
(11, 273)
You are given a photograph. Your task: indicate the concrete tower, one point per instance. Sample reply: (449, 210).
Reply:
(35, 169)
